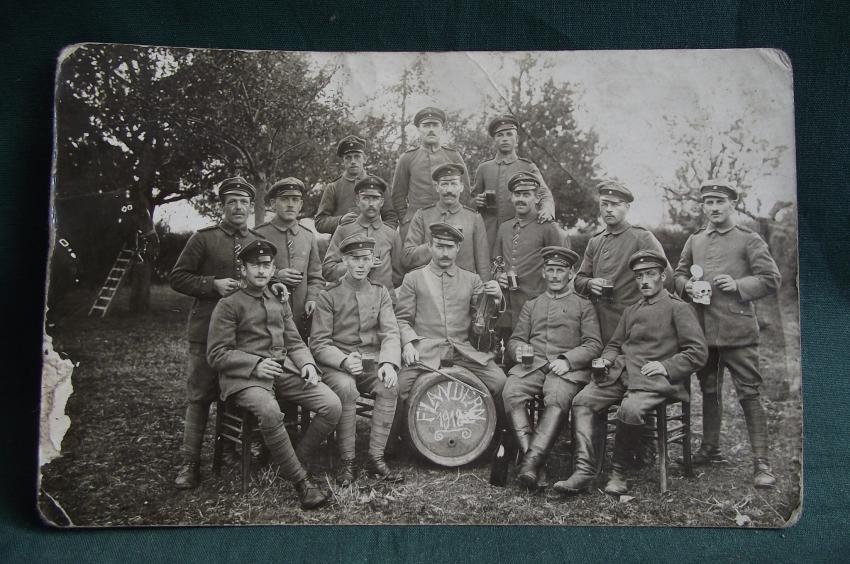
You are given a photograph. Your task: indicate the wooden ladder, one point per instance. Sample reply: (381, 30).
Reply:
(113, 280)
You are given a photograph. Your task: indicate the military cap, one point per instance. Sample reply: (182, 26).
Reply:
(289, 186)
(717, 188)
(502, 122)
(370, 182)
(357, 244)
(429, 113)
(445, 231)
(235, 185)
(523, 179)
(642, 260)
(351, 144)
(448, 169)
(256, 250)
(559, 256)
(611, 188)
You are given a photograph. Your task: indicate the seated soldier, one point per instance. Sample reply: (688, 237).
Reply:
(561, 329)
(260, 358)
(656, 346)
(355, 340)
(435, 311)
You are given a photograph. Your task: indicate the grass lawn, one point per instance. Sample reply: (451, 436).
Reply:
(121, 454)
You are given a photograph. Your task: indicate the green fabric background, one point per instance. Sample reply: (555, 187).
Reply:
(814, 34)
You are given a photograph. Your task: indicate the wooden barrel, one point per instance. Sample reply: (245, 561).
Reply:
(450, 424)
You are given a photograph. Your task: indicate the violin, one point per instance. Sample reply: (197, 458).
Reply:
(482, 332)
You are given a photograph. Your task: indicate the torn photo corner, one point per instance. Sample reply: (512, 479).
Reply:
(193, 376)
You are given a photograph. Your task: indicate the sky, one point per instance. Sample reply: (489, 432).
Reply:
(622, 95)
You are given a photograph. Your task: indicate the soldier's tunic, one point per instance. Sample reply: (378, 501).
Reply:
(730, 324)
(338, 199)
(607, 256)
(474, 254)
(434, 311)
(247, 327)
(563, 326)
(210, 254)
(493, 174)
(296, 248)
(387, 247)
(351, 316)
(662, 328)
(519, 243)
(413, 188)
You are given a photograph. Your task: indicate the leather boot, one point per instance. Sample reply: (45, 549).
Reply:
(522, 427)
(229, 455)
(377, 467)
(347, 472)
(189, 476)
(587, 429)
(711, 417)
(762, 475)
(626, 442)
(544, 437)
(757, 429)
(309, 494)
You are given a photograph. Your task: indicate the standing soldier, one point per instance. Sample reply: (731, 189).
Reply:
(413, 187)
(519, 241)
(474, 256)
(208, 269)
(370, 194)
(656, 346)
(562, 331)
(737, 264)
(338, 205)
(356, 341)
(297, 259)
(491, 192)
(261, 360)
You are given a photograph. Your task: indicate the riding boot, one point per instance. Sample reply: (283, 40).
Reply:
(711, 417)
(522, 427)
(544, 438)
(757, 428)
(626, 441)
(587, 427)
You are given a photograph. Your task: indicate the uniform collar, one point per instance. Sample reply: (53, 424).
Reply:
(350, 282)
(657, 297)
(439, 271)
(374, 224)
(524, 222)
(564, 294)
(360, 176)
(452, 210)
(263, 292)
(429, 150)
(711, 228)
(619, 229)
(510, 159)
(231, 229)
(278, 224)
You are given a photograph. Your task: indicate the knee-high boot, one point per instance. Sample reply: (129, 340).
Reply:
(626, 441)
(757, 429)
(587, 428)
(544, 438)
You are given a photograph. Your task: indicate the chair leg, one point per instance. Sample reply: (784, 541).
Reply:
(686, 440)
(661, 426)
(218, 446)
(248, 424)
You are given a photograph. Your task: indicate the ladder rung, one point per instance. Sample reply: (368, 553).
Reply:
(114, 278)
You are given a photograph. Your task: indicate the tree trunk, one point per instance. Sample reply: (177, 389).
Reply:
(140, 287)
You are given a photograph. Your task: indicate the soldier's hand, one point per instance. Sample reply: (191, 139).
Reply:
(311, 377)
(289, 276)
(353, 364)
(387, 374)
(309, 307)
(689, 288)
(409, 354)
(545, 216)
(479, 200)
(349, 217)
(377, 261)
(267, 369)
(491, 288)
(725, 283)
(225, 286)
(559, 367)
(280, 290)
(653, 368)
(596, 286)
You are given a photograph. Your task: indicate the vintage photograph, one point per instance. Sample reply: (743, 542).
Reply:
(537, 288)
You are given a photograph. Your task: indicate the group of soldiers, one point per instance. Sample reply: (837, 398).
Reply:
(407, 269)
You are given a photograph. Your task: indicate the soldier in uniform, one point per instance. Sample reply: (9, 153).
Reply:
(338, 205)
(562, 330)
(737, 264)
(656, 346)
(297, 259)
(474, 256)
(208, 269)
(356, 341)
(370, 193)
(413, 186)
(435, 311)
(493, 175)
(519, 241)
(261, 359)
